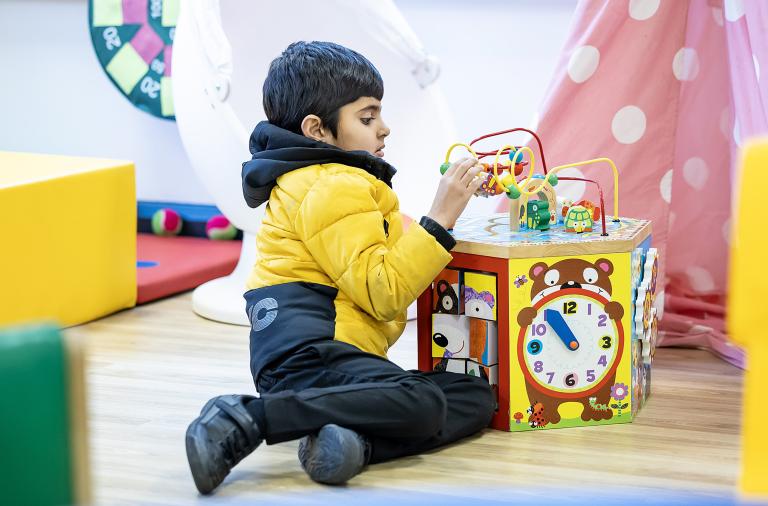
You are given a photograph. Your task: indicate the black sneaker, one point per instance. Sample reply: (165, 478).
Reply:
(334, 455)
(223, 435)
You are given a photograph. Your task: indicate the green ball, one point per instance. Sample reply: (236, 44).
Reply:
(552, 178)
(444, 167)
(513, 193)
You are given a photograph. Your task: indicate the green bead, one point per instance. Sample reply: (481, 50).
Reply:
(552, 178)
(513, 193)
(444, 167)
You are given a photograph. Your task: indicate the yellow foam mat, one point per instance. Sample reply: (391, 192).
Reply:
(746, 314)
(68, 238)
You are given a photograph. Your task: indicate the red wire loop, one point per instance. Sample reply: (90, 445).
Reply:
(483, 154)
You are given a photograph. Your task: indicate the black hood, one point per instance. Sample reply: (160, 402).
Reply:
(277, 151)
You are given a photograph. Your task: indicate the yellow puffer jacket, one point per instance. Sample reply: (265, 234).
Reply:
(333, 262)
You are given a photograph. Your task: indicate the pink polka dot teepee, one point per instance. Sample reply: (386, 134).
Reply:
(667, 89)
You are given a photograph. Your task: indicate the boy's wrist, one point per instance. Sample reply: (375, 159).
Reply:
(438, 231)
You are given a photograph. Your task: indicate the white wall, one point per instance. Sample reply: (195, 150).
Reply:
(497, 58)
(55, 98)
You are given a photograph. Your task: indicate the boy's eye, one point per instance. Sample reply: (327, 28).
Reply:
(366, 121)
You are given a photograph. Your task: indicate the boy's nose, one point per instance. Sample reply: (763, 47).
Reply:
(384, 132)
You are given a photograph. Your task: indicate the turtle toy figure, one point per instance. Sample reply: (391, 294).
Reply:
(578, 220)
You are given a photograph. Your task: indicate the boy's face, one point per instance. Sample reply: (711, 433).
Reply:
(361, 127)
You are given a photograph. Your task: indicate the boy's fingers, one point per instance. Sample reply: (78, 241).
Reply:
(460, 167)
(471, 174)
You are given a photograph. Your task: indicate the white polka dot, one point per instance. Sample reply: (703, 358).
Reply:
(737, 133)
(734, 9)
(628, 124)
(700, 279)
(583, 63)
(571, 190)
(696, 172)
(725, 122)
(727, 230)
(643, 9)
(685, 64)
(757, 66)
(666, 186)
(717, 13)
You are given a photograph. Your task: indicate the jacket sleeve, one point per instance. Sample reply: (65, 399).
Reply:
(343, 229)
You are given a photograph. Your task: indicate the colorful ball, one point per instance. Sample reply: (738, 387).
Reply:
(219, 228)
(166, 222)
(516, 156)
(513, 193)
(552, 178)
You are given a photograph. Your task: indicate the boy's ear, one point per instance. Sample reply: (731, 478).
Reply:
(312, 127)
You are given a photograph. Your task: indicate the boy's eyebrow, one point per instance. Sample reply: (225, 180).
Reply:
(372, 108)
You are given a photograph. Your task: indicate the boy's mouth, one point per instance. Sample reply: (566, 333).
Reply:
(380, 152)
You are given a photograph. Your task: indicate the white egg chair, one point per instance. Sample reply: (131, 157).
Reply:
(222, 51)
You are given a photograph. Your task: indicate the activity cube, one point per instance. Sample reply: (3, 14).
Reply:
(69, 248)
(565, 320)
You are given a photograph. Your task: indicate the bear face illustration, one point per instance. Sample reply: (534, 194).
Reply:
(571, 273)
(447, 300)
(478, 304)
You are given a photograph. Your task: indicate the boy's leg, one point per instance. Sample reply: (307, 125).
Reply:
(471, 406)
(401, 412)
(335, 383)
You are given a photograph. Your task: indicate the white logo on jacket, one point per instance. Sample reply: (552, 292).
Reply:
(269, 305)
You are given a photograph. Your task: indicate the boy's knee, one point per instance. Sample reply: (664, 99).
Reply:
(481, 399)
(430, 408)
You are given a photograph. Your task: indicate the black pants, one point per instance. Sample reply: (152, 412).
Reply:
(400, 412)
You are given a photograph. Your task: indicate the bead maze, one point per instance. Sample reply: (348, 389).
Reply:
(554, 312)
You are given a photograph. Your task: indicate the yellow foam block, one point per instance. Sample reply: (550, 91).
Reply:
(746, 314)
(68, 238)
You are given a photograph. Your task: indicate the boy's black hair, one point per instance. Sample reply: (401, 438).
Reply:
(317, 78)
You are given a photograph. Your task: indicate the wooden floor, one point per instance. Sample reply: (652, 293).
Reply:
(152, 368)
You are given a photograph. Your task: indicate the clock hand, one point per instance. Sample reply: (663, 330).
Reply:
(557, 322)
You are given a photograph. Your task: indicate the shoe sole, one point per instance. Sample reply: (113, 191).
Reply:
(204, 486)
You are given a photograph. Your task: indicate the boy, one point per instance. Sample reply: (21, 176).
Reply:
(329, 290)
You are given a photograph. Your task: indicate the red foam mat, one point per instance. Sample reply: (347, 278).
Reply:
(169, 265)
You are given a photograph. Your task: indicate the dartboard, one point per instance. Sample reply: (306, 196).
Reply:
(133, 40)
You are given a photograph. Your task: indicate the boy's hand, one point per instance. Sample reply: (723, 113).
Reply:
(456, 187)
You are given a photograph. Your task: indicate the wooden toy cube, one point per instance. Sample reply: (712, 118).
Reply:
(458, 365)
(450, 336)
(480, 295)
(447, 292)
(483, 341)
(488, 373)
(564, 311)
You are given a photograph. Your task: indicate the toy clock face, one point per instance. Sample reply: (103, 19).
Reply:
(572, 347)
